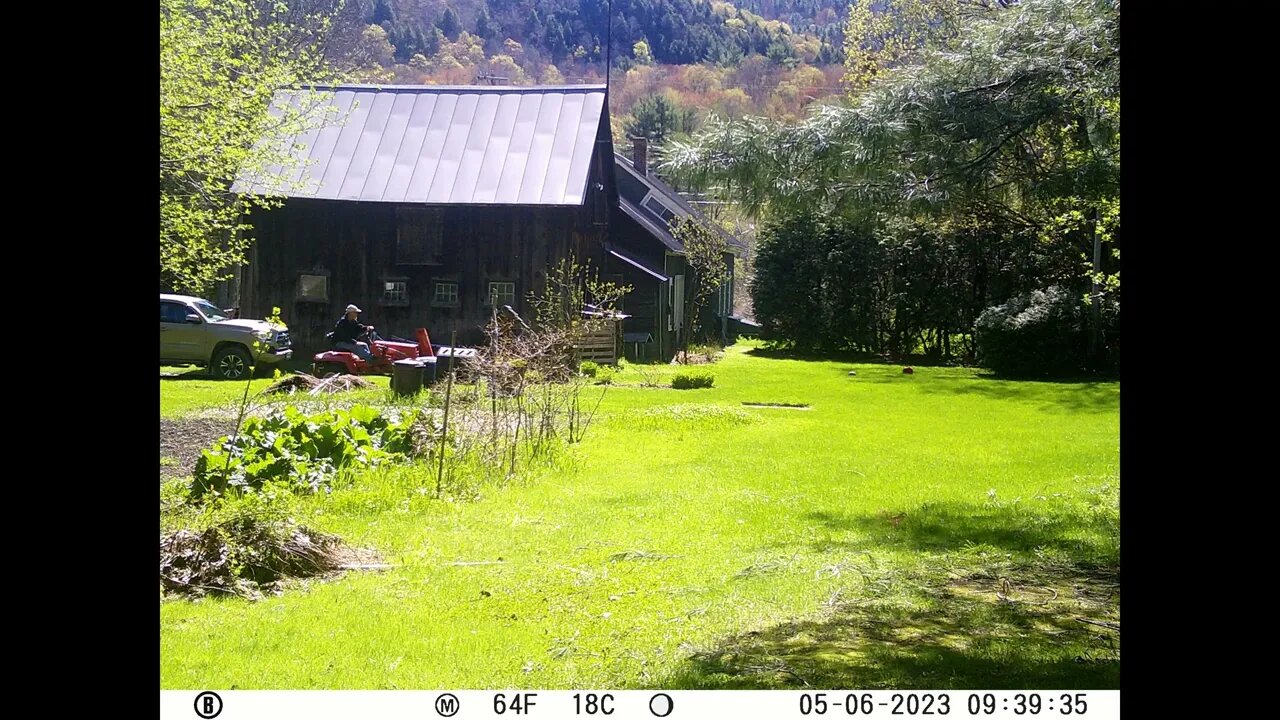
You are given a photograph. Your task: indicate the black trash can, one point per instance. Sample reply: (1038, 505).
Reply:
(429, 374)
(406, 377)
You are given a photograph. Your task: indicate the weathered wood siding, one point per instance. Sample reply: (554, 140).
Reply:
(355, 245)
(648, 303)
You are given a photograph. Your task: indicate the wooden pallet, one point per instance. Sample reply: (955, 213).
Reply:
(600, 347)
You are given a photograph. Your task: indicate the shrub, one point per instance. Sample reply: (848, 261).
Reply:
(589, 368)
(649, 376)
(1042, 333)
(692, 380)
(303, 451)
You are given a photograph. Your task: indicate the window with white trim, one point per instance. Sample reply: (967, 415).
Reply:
(502, 293)
(395, 292)
(446, 293)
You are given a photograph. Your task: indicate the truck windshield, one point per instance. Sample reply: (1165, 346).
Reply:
(210, 311)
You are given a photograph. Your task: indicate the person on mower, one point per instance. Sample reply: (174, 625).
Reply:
(347, 334)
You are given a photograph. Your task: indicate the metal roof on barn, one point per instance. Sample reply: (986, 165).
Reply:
(441, 145)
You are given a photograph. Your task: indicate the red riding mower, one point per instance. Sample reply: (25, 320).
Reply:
(385, 354)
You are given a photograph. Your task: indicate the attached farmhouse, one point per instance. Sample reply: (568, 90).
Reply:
(651, 260)
(429, 205)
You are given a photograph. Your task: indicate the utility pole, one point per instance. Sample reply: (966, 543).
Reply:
(608, 50)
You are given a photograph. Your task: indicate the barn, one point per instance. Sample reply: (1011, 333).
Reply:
(429, 205)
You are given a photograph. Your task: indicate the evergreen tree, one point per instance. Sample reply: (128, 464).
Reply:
(486, 28)
(780, 52)
(657, 118)
(555, 42)
(449, 24)
(432, 39)
(533, 29)
(384, 14)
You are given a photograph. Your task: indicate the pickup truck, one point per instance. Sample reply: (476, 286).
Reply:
(194, 331)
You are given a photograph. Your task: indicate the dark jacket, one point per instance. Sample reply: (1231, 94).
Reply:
(347, 330)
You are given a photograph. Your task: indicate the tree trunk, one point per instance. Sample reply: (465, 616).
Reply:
(1095, 304)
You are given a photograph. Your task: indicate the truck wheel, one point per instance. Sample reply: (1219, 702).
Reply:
(231, 363)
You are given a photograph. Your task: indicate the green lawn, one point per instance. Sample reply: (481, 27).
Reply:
(937, 530)
(187, 390)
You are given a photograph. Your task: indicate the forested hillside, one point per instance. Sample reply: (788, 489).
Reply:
(672, 60)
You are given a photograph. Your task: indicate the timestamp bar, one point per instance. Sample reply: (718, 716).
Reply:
(639, 704)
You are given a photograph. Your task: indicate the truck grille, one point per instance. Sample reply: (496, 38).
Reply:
(282, 340)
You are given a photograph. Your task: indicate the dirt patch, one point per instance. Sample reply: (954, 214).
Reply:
(182, 439)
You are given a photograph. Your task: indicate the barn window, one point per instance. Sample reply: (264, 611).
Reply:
(502, 293)
(395, 292)
(419, 236)
(313, 288)
(446, 294)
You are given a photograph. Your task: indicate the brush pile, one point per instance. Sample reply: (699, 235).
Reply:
(302, 382)
(247, 557)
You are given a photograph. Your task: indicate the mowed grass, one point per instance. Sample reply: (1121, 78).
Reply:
(184, 390)
(934, 530)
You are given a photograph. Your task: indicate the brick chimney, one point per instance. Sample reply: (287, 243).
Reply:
(640, 155)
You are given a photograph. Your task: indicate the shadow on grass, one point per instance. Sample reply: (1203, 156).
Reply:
(192, 372)
(928, 362)
(1093, 396)
(185, 373)
(1088, 533)
(972, 633)
(1024, 620)
(848, 357)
